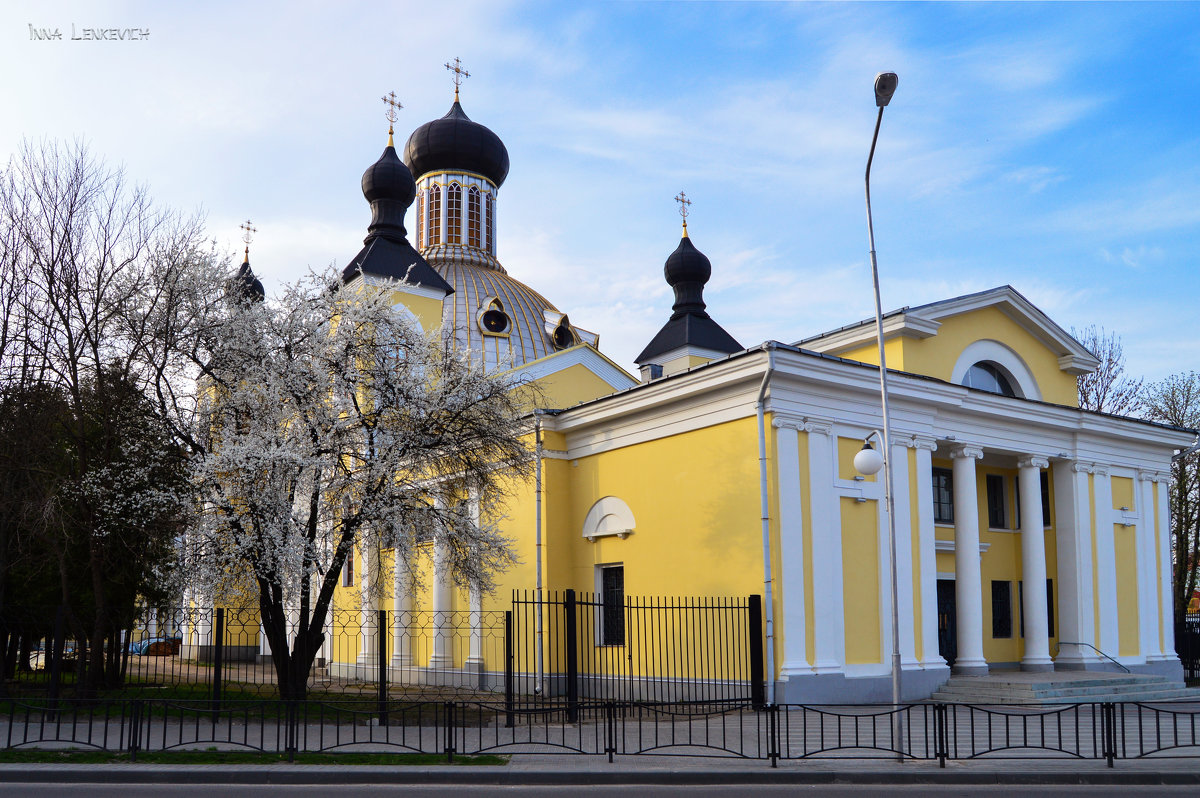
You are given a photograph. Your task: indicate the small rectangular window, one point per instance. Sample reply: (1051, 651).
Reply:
(1001, 609)
(612, 598)
(348, 570)
(997, 517)
(943, 496)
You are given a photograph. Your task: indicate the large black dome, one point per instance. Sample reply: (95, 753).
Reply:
(456, 144)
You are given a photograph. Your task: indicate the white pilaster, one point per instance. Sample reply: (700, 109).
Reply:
(904, 565)
(791, 549)
(1163, 525)
(1073, 533)
(1108, 634)
(968, 587)
(1033, 566)
(1147, 568)
(927, 553)
(829, 609)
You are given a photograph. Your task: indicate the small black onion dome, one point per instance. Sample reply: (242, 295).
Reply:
(389, 187)
(244, 285)
(456, 144)
(687, 270)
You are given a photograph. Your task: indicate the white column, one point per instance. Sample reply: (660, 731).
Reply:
(1073, 533)
(829, 610)
(968, 588)
(904, 566)
(1163, 525)
(1033, 566)
(1108, 635)
(1147, 568)
(927, 553)
(152, 624)
(402, 608)
(791, 550)
(475, 650)
(442, 656)
(368, 638)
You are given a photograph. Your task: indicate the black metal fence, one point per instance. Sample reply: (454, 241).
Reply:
(670, 649)
(937, 732)
(1187, 645)
(553, 645)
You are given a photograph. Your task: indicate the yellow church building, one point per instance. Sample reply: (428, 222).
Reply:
(1031, 534)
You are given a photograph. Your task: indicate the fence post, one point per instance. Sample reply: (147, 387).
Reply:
(757, 670)
(218, 641)
(135, 728)
(381, 631)
(56, 655)
(1108, 731)
(572, 656)
(941, 740)
(509, 698)
(610, 718)
(449, 705)
(773, 734)
(293, 733)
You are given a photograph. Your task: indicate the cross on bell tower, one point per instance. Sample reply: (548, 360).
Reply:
(459, 74)
(390, 100)
(248, 232)
(684, 203)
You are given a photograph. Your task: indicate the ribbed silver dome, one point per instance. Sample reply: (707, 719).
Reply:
(527, 338)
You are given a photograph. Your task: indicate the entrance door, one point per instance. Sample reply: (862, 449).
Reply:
(947, 621)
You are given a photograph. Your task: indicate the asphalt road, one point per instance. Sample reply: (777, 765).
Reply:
(605, 791)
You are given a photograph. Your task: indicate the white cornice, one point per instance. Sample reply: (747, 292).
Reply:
(582, 354)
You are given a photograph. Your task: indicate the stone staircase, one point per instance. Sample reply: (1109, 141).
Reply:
(1017, 687)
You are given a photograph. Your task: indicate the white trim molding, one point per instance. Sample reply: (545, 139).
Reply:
(608, 516)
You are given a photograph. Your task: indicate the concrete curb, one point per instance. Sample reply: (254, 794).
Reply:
(490, 775)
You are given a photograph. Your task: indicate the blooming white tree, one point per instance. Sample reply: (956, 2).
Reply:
(331, 422)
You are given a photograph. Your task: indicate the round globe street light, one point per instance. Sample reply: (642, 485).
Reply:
(885, 87)
(868, 461)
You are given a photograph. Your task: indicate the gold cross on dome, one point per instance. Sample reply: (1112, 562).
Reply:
(248, 231)
(394, 105)
(684, 202)
(459, 74)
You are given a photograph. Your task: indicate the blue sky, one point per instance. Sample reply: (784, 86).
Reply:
(1053, 147)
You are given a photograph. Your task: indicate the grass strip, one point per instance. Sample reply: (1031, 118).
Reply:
(74, 756)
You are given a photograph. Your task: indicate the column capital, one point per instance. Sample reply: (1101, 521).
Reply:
(818, 427)
(966, 451)
(787, 423)
(1099, 470)
(926, 442)
(1080, 468)
(1033, 461)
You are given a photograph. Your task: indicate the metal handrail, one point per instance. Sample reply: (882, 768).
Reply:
(1062, 643)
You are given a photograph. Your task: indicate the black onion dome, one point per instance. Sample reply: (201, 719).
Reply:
(244, 285)
(687, 264)
(388, 178)
(687, 270)
(389, 187)
(456, 144)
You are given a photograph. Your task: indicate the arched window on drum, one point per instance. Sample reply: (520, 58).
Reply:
(474, 212)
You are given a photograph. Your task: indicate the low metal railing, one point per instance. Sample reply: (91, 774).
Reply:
(934, 732)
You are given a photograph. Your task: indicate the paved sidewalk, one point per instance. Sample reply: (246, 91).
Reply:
(535, 769)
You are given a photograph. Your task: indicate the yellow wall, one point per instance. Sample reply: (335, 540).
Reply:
(1125, 544)
(570, 386)
(427, 310)
(860, 581)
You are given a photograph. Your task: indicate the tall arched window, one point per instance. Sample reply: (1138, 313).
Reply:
(490, 213)
(420, 219)
(473, 220)
(435, 216)
(454, 214)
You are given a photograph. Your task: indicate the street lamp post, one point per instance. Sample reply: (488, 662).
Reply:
(885, 86)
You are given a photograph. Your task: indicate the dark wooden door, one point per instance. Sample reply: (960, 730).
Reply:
(947, 621)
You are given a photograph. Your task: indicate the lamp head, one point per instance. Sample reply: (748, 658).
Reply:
(885, 87)
(868, 461)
